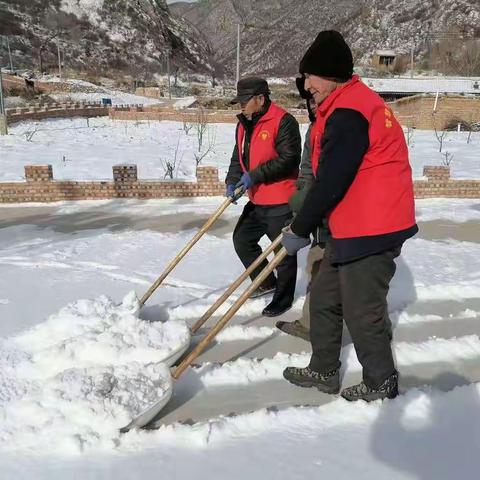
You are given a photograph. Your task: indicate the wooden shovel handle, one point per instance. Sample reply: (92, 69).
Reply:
(230, 313)
(199, 323)
(213, 218)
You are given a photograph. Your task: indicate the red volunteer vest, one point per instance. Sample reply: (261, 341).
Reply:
(380, 199)
(262, 149)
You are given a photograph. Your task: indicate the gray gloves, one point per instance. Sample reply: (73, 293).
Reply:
(293, 243)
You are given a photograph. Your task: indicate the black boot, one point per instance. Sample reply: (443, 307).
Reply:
(306, 377)
(274, 309)
(295, 329)
(361, 391)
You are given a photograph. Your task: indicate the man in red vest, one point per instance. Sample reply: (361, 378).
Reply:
(363, 186)
(265, 164)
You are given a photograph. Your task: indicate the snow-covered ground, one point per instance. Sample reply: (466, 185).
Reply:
(81, 151)
(75, 365)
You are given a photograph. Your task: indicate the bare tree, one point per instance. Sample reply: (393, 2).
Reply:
(447, 158)
(440, 135)
(29, 134)
(200, 127)
(171, 167)
(187, 126)
(409, 135)
(208, 147)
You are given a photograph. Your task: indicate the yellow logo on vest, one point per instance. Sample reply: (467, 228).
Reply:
(388, 118)
(264, 134)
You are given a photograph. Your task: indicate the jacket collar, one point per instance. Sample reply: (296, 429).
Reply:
(327, 103)
(261, 116)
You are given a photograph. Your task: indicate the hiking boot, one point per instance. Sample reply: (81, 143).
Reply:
(274, 309)
(361, 391)
(295, 329)
(263, 290)
(306, 377)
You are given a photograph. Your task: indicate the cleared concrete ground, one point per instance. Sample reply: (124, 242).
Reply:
(195, 403)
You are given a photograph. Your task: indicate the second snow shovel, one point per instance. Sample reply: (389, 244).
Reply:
(208, 224)
(148, 415)
(200, 322)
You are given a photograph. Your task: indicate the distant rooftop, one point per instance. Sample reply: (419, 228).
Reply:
(386, 53)
(458, 85)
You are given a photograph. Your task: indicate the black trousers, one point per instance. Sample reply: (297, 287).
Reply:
(357, 293)
(255, 222)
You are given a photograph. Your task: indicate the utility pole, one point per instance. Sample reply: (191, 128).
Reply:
(59, 59)
(411, 62)
(238, 53)
(3, 116)
(9, 54)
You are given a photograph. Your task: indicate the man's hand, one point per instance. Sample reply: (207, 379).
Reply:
(230, 192)
(297, 199)
(293, 243)
(245, 182)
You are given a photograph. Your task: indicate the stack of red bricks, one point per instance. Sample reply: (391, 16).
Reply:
(439, 184)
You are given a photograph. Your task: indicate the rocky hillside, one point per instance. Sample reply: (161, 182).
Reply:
(100, 36)
(276, 32)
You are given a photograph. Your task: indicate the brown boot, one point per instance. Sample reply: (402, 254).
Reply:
(294, 328)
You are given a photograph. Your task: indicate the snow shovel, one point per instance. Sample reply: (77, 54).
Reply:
(178, 353)
(200, 322)
(208, 224)
(151, 412)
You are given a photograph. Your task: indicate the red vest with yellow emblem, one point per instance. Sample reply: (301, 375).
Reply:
(262, 149)
(380, 199)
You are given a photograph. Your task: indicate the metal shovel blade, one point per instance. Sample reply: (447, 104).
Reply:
(152, 411)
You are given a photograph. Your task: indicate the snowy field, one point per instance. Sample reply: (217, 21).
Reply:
(81, 151)
(77, 361)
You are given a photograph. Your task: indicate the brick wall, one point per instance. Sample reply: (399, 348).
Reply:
(40, 111)
(440, 184)
(190, 115)
(417, 111)
(40, 186)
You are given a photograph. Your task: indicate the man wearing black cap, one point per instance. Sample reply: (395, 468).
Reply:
(363, 186)
(265, 164)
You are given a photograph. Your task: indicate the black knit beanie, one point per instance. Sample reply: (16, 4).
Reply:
(328, 56)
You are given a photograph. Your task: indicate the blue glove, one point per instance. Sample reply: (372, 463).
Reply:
(293, 243)
(245, 182)
(230, 192)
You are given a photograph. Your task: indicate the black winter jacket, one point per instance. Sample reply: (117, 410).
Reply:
(288, 144)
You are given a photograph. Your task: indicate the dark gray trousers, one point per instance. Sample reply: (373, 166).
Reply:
(357, 293)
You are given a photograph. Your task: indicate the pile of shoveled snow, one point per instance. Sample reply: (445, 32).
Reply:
(71, 382)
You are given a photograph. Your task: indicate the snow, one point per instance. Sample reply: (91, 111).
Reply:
(78, 360)
(246, 370)
(117, 97)
(78, 150)
(70, 382)
(458, 209)
(88, 8)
